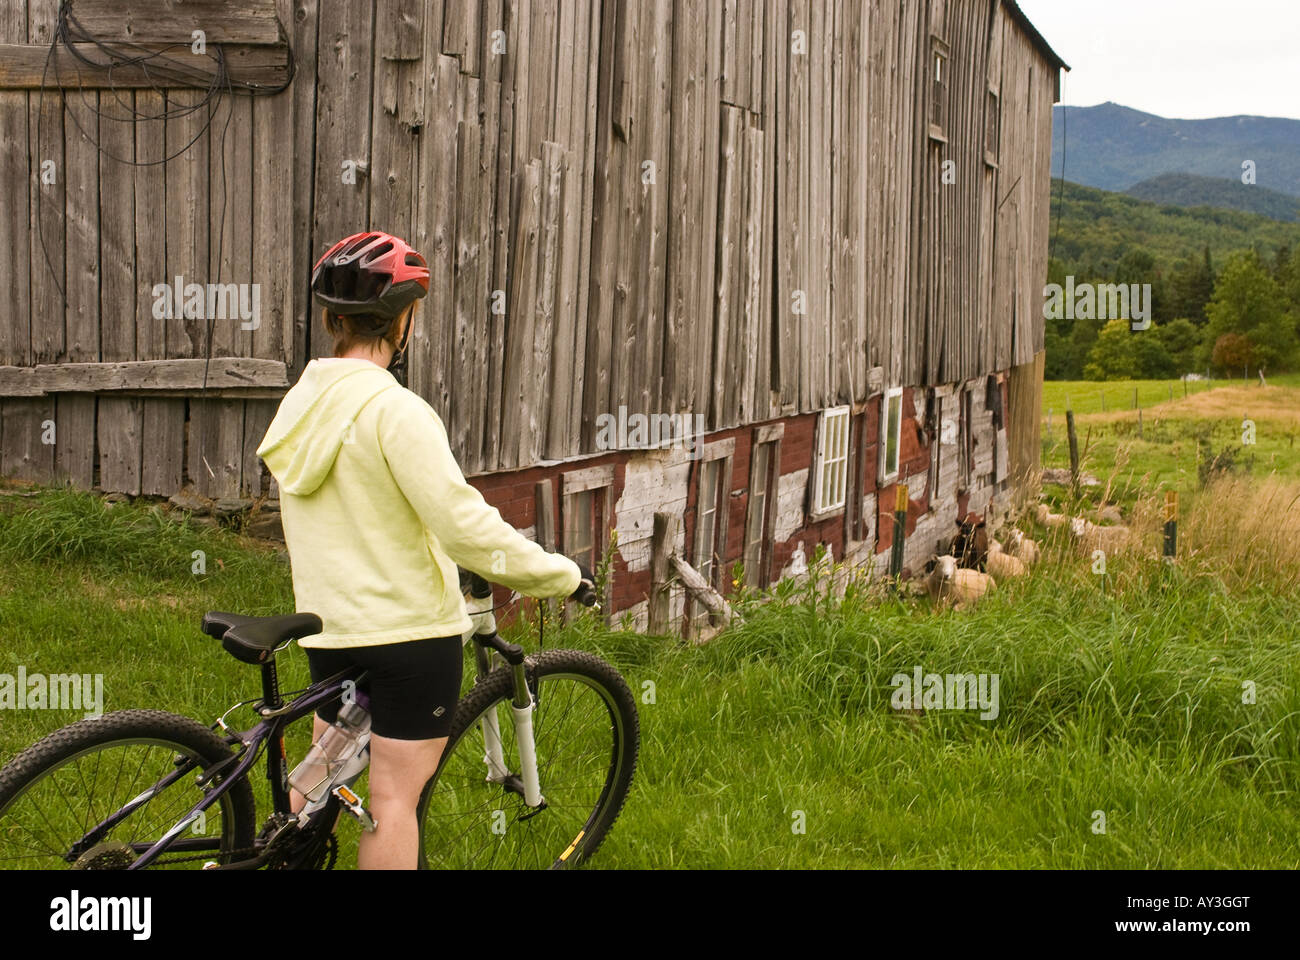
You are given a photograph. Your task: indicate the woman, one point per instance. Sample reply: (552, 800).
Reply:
(376, 517)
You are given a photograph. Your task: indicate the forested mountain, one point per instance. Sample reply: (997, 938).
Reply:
(1189, 190)
(1093, 230)
(1114, 147)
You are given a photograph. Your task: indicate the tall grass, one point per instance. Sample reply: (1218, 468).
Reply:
(1164, 695)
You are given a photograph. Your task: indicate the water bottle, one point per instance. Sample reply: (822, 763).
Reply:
(332, 753)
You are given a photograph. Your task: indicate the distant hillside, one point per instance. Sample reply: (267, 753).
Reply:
(1189, 190)
(1115, 147)
(1097, 228)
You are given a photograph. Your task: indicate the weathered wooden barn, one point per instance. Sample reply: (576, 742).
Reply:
(817, 229)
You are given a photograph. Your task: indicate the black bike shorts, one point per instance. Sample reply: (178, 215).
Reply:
(413, 686)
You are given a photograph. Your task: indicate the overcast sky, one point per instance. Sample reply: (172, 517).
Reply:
(1186, 59)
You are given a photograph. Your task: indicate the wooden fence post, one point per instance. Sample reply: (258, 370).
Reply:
(1074, 450)
(1171, 525)
(544, 528)
(661, 549)
(900, 535)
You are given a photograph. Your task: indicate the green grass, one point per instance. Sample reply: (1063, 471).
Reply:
(1089, 396)
(1100, 396)
(1174, 438)
(1127, 701)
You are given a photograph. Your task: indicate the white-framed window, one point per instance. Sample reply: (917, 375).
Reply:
(584, 513)
(831, 461)
(891, 434)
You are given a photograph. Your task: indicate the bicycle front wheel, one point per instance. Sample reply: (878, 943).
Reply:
(62, 800)
(587, 733)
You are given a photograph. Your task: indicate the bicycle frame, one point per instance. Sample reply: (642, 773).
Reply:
(276, 716)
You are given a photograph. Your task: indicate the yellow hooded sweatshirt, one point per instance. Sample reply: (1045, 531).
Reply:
(377, 514)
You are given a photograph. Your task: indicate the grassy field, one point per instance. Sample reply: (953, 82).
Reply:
(1123, 696)
(1230, 426)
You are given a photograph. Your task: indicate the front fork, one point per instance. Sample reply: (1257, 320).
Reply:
(485, 636)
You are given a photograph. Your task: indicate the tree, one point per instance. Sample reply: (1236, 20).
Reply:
(1248, 301)
(1232, 352)
(1113, 356)
(1179, 339)
(1190, 287)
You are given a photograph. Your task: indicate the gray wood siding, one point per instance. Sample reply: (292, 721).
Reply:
(727, 208)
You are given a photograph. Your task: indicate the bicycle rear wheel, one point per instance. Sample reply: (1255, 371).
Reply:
(53, 794)
(587, 734)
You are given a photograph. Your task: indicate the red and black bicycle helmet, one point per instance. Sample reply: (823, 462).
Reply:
(370, 274)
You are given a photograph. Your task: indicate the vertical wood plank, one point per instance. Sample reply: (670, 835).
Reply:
(162, 470)
(215, 446)
(118, 314)
(230, 211)
(121, 434)
(187, 146)
(518, 412)
(467, 403)
(343, 95)
(429, 365)
(149, 192)
(74, 457)
(304, 24)
(25, 425)
(44, 341)
(275, 254)
(17, 214)
(258, 415)
(81, 218)
(552, 334)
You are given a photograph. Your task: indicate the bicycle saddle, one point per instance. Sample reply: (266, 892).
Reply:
(254, 639)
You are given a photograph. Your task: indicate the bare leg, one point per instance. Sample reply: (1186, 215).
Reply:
(399, 769)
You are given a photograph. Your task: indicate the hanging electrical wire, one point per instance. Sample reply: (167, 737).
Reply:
(164, 72)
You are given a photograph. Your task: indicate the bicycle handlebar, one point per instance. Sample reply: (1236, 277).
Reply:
(480, 589)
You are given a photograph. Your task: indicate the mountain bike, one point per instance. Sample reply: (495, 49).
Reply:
(140, 789)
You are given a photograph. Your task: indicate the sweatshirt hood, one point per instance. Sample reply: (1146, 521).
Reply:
(315, 419)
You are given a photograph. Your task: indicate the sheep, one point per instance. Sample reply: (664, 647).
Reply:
(1092, 537)
(1048, 519)
(1022, 548)
(1002, 564)
(949, 583)
(971, 544)
(1110, 514)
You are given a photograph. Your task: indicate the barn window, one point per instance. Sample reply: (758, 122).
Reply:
(891, 434)
(585, 514)
(992, 120)
(967, 437)
(939, 87)
(831, 466)
(712, 496)
(760, 515)
(858, 519)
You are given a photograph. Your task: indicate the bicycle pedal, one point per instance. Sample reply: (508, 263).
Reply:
(353, 805)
